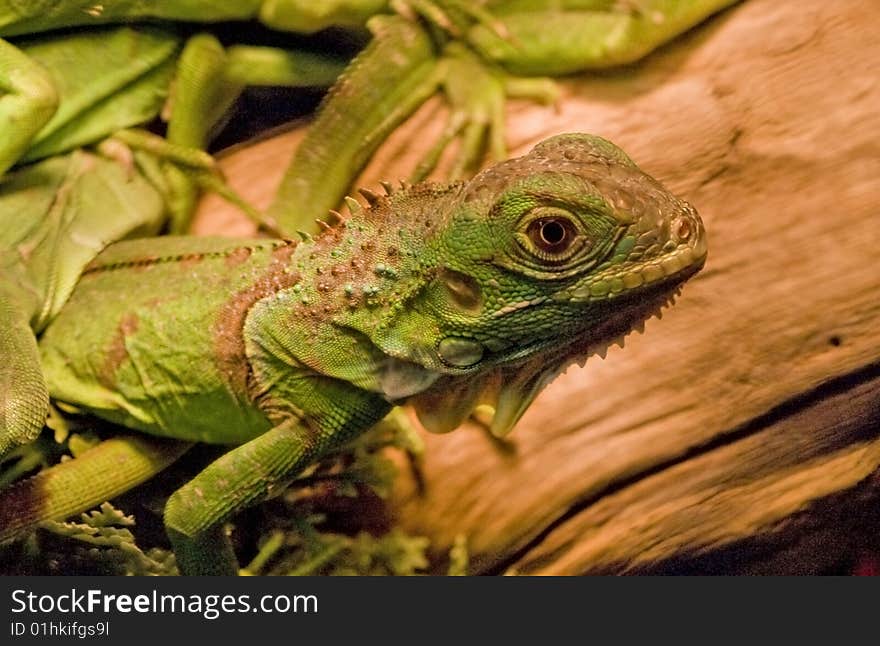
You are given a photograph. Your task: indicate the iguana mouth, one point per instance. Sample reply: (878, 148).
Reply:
(511, 386)
(637, 278)
(644, 305)
(628, 311)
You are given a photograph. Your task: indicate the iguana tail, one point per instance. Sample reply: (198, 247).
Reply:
(101, 473)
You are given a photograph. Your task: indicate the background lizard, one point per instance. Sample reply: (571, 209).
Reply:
(476, 53)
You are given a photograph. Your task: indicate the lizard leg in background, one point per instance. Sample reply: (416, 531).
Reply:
(107, 79)
(27, 101)
(534, 39)
(567, 40)
(383, 85)
(180, 169)
(477, 93)
(55, 216)
(209, 80)
(24, 398)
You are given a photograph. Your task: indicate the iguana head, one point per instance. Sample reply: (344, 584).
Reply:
(500, 283)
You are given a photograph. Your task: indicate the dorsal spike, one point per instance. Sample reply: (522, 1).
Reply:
(305, 236)
(323, 225)
(371, 198)
(334, 217)
(389, 189)
(353, 205)
(404, 185)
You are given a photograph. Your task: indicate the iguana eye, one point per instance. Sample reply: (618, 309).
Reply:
(552, 235)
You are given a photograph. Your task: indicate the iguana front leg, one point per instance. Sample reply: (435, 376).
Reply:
(247, 475)
(313, 414)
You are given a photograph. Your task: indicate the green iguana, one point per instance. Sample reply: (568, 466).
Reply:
(445, 296)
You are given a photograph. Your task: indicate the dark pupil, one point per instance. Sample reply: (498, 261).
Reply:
(552, 232)
(551, 235)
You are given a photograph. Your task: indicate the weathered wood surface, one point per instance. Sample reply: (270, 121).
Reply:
(740, 433)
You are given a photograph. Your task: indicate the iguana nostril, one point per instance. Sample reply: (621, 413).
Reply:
(683, 229)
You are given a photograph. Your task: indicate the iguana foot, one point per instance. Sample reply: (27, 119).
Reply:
(477, 93)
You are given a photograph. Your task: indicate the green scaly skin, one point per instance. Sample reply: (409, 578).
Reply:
(444, 296)
(61, 204)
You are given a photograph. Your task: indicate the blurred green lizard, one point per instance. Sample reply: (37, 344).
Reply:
(63, 90)
(476, 52)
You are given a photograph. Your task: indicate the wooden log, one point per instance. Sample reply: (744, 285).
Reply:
(740, 433)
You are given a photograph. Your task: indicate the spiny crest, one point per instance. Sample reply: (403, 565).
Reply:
(410, 203)
(375, 202)
(371, 197)
(335, 218)
(354, 207)
(370, 261)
